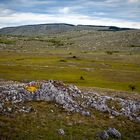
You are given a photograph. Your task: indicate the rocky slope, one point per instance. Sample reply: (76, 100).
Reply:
(69, 97)
(47, 29)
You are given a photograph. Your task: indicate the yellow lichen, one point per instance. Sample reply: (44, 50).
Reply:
(31, 88)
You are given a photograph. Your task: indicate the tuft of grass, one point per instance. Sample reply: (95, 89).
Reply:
(7, 41)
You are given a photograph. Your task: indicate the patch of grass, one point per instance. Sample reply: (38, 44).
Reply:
(111, 52)
(7, 41)
(114, 104)
(44, 123)
(56, 42)
(62, 60)
(38, 58)
(100, 73)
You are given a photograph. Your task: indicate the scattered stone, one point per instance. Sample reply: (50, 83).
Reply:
(110, 132)
(68, 97)
(111, 117)
(85, 113)
(26, 109)
(103, 135)
(127, 108)
(114, 133)
(61, 131)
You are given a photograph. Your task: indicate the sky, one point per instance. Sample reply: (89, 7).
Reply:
(121, 13)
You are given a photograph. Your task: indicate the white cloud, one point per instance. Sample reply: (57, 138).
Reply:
(133, 1)
(65, 10)
(112, 1)
(4, 12)
(30, 3)
(99, 13)
(12, 18)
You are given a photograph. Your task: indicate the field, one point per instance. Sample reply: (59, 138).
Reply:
(87, 59)
(44, 123)
(100, 61)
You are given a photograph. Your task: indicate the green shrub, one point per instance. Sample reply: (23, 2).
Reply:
(82, 78)
(134, 46)
(56, 42)
(7, 41)
(109, 52)
(132, 87)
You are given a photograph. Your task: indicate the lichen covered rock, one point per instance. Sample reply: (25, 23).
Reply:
(69, 97)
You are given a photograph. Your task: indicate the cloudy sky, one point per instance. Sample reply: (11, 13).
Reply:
(122, 13)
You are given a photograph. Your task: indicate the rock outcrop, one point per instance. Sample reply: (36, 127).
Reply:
(13, 93)
(69, 97)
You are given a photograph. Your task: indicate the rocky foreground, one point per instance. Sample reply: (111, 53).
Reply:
(69, 97)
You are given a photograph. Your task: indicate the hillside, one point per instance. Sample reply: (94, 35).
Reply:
(47, 29)
(51, 110)
(96, 56)
(67, 82)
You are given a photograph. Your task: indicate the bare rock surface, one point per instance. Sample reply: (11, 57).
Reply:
(69, 97)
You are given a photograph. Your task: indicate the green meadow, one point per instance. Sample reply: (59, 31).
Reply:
(86, 59)
(107, 62)
(98, 69)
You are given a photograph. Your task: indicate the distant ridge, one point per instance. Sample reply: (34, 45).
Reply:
(55, 28)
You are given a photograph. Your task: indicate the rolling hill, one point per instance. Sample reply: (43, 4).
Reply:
(47, 29)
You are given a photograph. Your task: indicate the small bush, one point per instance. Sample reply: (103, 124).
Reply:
(56, 42)
(62, 60)
(7, 41)
(74, 56)
(132, 87)
(109, 52)
(82, 78)
(134, 46)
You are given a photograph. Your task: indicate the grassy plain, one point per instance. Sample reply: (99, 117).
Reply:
(109, 60)
(61, 58)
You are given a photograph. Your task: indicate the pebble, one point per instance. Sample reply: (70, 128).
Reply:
(114, 133)
(103, 135)
(61, 131)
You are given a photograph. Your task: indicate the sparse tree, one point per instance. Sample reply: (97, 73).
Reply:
(74, 56)
(132, 87)
(82, 78)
